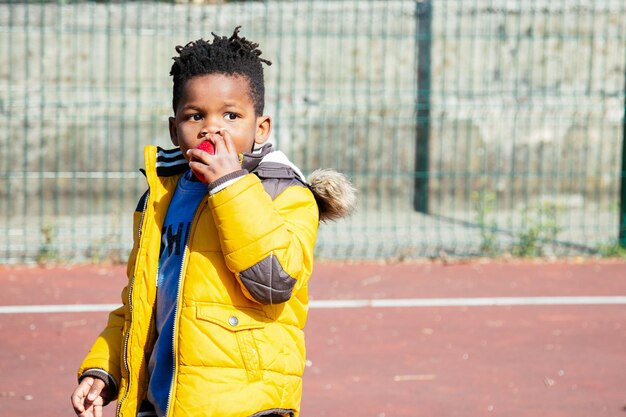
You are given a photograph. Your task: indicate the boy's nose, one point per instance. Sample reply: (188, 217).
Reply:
(212, 127)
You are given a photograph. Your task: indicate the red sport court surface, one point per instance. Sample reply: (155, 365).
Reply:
(416, 339)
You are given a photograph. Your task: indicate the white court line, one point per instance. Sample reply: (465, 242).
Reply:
(374, 303)
(58, 308)
(469, 302)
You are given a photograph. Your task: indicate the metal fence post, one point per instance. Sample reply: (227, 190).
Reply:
(423, 30)
(622, 211)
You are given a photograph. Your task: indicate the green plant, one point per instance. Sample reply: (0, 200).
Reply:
(47, 252)
(484, 202)
(612, 250)
(539, 228)
(104, 250)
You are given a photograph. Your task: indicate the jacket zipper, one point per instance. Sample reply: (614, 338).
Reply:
(130, 310)
(143, 214)
(176, 309)
(181, 276)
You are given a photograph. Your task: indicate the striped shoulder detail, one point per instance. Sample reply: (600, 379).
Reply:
(170, 162)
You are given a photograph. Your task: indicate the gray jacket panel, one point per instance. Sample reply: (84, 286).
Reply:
(267, 281)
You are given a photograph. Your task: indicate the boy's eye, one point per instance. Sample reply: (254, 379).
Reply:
(230, 116)
(194, 117)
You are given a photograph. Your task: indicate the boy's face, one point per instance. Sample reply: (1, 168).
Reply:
(213, 103)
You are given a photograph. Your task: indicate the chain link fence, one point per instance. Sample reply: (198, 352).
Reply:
(471, 128)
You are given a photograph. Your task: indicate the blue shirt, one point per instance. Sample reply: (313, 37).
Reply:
(174, 236)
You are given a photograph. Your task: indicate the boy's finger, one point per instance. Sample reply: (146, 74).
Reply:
(79, 395)
(197, 155)
(200, 170)
(96, 389)
(77, 403)
(224, 142)
(228, 141)
(218, 141)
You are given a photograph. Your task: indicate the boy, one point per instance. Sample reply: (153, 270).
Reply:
(213, 314)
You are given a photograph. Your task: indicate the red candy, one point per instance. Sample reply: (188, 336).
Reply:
(207, 146)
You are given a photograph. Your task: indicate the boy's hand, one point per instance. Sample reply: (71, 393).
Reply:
(211, 167)
(88, 399)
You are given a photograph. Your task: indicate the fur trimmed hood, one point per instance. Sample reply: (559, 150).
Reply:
(335, 195)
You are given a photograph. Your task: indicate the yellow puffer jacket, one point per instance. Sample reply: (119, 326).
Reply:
(239, 345)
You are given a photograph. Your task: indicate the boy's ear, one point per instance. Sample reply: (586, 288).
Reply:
(263, 129)
(173, 132)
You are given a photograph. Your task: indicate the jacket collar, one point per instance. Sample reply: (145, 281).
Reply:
(170, 162)
(251, 160)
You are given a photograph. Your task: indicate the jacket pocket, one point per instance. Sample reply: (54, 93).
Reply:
(241, 324)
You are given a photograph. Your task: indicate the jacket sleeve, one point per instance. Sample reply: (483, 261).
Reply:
(267, 243)
(105, 353)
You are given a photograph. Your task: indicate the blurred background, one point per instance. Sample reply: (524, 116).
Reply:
(469, 127)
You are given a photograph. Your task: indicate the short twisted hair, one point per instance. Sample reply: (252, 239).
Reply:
(229, 56)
